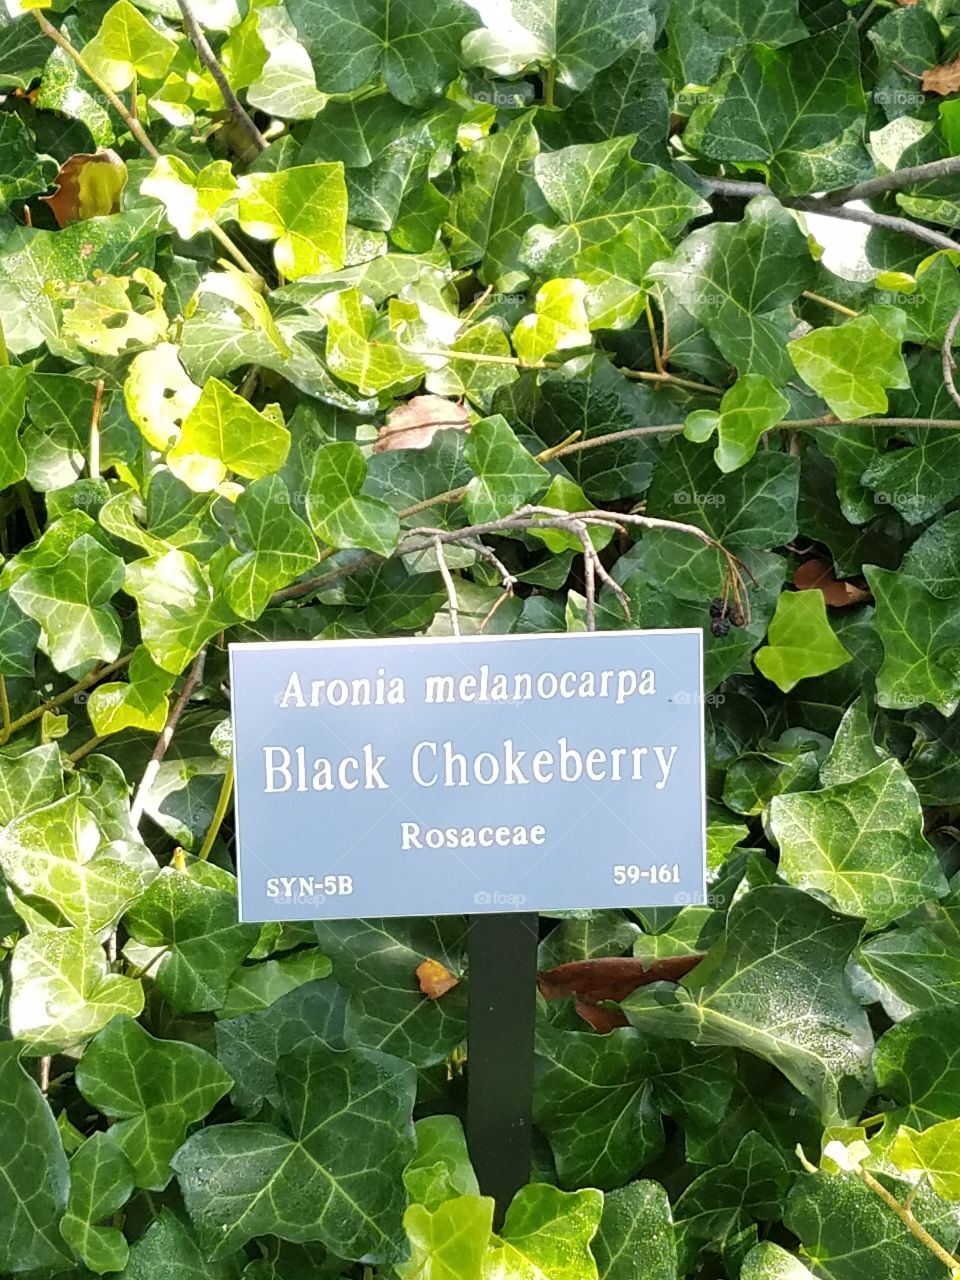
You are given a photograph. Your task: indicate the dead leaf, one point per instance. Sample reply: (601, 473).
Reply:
(818, 575)
(613, 978)
(88, 186)
(942, 79)
(435, 979)
(414, 424)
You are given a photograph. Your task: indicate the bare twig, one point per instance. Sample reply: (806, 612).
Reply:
(166, 736)
(453, 603)
(51, 704)
(209, 59)
(906, 1216)
(5, 707)
(219, 813)
(833, 206)
(948, 361)
(45, 1064)
(85, 748)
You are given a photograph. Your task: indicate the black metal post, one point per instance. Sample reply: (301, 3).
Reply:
(500, 1029)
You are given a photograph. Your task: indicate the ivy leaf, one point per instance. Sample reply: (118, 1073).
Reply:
(29, 780)
(417, 51)
(934, 1154)
(251, 1046)
(62, 990)
(101, 1182)
(282, 547)
(497, 202)
(138, 703)
(441, 1170)
(190, 199)
(304, 209)
(168, 1249)
(798, 112)
(449, 1242)
(338, 512)
(23, 171)
(917, 1062)
(636, 1234)
(558, 321)
(70, 603)
(126, 46)
(375, 961)
(752, 406)
(260, 985)
(774, 985)
(189, 918)
(914, 967)
(594, 1102)
(505, 474)
(176, 606)
(223, 432)
(802, 642)
(13, 397)
(35, 1182)
(845, 1227)
(852, 364)
(152, 1090)
(920, 635)
(575, 46)
(56, 855)
(478, 382)
(739, 279)
(546, 1235)
(336, 1179)
(360, 350)
(767, 1261)
(859, 843)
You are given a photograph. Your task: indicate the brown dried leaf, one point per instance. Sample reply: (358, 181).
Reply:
(435, 979)
(88, 186)
(942, 79)
(818, 575)
(414, 424)
(612, 978)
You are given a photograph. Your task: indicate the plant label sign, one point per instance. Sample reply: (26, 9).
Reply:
(483, 774)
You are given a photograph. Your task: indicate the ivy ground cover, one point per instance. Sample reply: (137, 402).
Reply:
(338, 318)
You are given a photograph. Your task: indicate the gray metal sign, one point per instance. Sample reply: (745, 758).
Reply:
(435, 776)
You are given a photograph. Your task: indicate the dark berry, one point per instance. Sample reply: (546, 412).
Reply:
(718, 608)
(719, 627)
(736, 615)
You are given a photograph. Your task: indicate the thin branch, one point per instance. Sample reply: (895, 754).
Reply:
(166, 736)
(906, 1216)
(949, 167)
(85, 748)
(453, 603)
(948, 361)
(5, 707)
(52, 703)
(209, 59)
(135, 127)
(831, 207)
(640, 375)
(829, 302)
(219, 813)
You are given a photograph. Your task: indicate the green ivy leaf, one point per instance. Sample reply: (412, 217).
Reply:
(189, 921)
(933, 1154)
(441, 1170)
(138, 703)
(919, 631)
(176, 606)
(70, 602)
(860, 844)
(752, 406)
(337, 1178)
(126, 46)
(375, 961)
(781, 950)
(338, 512)
(152, 1090)
(558, 321)
(281, 547)
(636, 1233)
(450, 1242)
(801, 641)
(852, 364)
(594, 1102)
(546, 1235)
(101, 1182)
(739, 279)
(62, 990)
(190, 199)
(223, 432)
(304, 209)
(415, 49)
(505, 474)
